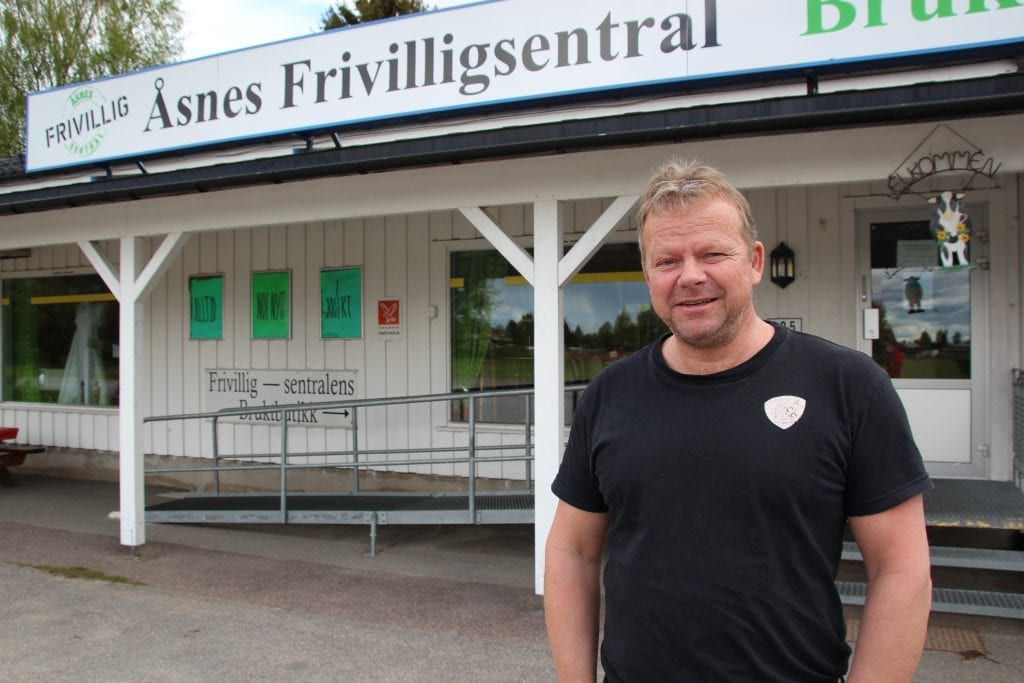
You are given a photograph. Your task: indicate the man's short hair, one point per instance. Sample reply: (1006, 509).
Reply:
(680, 183)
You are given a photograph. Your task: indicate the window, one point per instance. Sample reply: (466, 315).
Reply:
(924, 309)
(608, 315)
(60, 341)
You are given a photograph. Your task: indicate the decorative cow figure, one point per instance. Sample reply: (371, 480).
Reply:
(951, 228)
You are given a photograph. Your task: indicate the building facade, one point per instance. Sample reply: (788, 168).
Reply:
(167, 278)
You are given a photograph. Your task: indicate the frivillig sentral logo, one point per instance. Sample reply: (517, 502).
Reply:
(85, 120)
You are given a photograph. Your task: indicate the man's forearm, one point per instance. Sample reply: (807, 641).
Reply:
(572, 602)
(893, 629)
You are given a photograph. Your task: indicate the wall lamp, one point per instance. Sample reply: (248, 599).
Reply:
(782, 265)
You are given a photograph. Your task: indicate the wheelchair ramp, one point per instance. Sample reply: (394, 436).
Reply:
(355, 508)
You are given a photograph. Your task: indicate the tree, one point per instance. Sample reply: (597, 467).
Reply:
(366, 11)
(50, 43)
(925, 340)
(624, 331)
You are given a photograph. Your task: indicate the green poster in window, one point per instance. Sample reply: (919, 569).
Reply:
(341, 303)
(206, 298)
(271, 305)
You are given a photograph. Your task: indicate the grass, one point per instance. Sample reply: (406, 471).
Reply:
(83, 573)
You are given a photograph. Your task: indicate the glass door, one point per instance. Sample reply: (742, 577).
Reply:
(920, 322)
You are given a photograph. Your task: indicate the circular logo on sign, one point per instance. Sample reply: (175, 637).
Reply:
(84, 114)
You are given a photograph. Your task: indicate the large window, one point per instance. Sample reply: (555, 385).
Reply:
(608, 315)
(924, 309)
(60, 341)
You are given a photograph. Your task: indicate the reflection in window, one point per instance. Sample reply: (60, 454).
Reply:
(607, 315)
(924, 309)
(59, 341)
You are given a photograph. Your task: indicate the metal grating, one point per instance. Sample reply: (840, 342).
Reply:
(951, 600)
(344, 508)
(1018, 428)
(970, 558)
(975, 503)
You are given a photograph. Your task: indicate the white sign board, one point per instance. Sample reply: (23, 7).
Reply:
(483, 55)
(232, 389)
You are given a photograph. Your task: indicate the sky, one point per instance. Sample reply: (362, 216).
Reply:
(946, 303)
(213, 26)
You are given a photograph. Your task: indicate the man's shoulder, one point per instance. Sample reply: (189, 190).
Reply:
(810, 343)
(823, 354)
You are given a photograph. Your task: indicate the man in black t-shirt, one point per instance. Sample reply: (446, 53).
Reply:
(718, 468)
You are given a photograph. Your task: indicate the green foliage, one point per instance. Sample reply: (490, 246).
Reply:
(83, 573)
(364, 11)
(472, 306)
(50, 43)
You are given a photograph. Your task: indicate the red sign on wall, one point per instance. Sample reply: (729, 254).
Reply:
(388, 313)
(389, 319)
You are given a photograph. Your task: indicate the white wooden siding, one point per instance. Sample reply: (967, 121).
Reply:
(405, 257)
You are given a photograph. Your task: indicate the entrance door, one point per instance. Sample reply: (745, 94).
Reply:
(923, 317)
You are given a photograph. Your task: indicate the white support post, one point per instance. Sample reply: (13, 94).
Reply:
(506, 246)
(133, 514)
(548, 272)
(130, 285)
(549, 372)
(593, 238)
(105, 268)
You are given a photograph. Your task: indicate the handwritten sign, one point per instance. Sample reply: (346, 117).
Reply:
(271, 305)
(206, 300)
(341, 303)
(230, 389)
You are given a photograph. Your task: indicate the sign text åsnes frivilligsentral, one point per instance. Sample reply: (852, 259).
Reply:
(484, 54)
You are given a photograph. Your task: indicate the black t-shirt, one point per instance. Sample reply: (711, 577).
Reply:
(728, 496)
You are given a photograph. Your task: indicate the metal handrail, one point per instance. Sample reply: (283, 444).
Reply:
(356, 456)
(1017, 378)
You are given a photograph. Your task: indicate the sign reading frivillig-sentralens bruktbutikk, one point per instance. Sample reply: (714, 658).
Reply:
(254, 388)
(488, 53)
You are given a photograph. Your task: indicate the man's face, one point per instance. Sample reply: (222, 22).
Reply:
(701, 272)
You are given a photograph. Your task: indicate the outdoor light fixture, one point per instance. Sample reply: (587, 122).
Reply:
(782, 262)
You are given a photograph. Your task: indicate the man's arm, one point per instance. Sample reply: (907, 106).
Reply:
(572, 590)
(895, 621)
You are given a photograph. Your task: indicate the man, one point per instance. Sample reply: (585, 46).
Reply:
(718, 468)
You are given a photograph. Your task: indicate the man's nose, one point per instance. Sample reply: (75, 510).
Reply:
(691, 272)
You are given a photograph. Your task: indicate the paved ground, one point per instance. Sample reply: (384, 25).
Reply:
(308, 603)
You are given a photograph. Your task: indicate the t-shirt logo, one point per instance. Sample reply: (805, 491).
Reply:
(784, 411)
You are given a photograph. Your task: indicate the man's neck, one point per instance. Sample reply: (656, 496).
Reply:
(690, 360)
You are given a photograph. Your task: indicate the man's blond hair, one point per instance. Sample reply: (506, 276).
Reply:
(679, 183)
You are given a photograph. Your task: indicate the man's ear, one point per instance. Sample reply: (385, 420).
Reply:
(757, 262)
